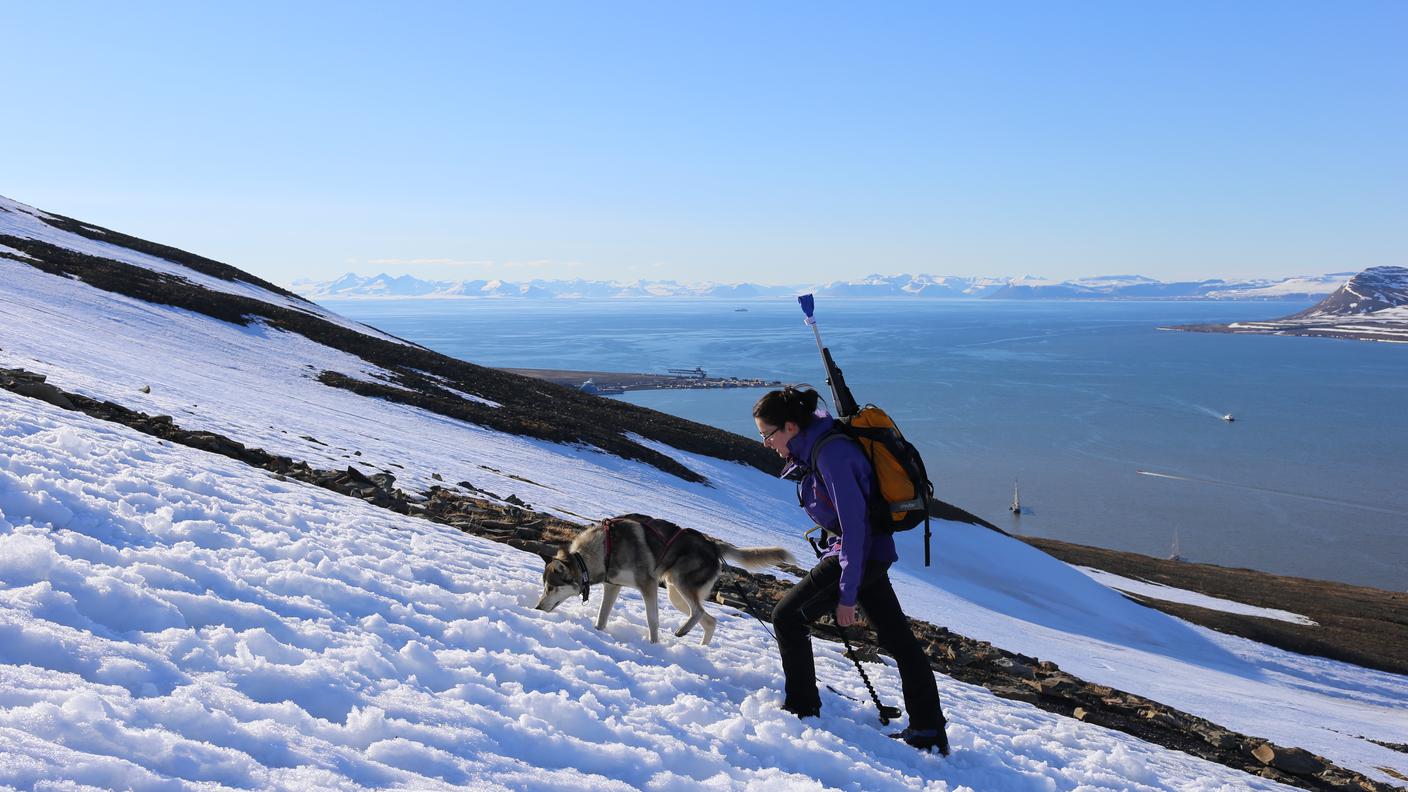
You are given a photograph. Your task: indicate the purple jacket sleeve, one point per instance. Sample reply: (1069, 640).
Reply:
(846, 474)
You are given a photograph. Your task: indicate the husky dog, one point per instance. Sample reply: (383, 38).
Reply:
(639, 551)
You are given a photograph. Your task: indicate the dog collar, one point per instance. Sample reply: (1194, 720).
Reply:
(586, 584)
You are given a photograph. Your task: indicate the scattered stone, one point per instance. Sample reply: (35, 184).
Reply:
(437, 476)
(1296, 761)
(146, 389)
(1058, 685)
(1017, 669)
(1016, 693)
(1161, 717)
(1079, 714)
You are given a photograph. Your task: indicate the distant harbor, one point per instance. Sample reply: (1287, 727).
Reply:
(607, 383)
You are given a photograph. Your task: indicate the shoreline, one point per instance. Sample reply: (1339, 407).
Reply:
(610, 382)
(1346, 328)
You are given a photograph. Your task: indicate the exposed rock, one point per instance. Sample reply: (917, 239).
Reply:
(1015, 668)
(1018, 692)
(1217, 737)
(44, 392)
(1162, 717)
(1296, 761)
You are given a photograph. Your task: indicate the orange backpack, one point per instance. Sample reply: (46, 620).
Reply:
(903, 484)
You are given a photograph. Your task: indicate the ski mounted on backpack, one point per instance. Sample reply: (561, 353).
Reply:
(904, 490)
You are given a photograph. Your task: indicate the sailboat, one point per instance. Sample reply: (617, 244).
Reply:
(1175, 554)
(1016, 507)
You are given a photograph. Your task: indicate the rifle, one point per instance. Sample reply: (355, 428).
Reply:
(841, 396)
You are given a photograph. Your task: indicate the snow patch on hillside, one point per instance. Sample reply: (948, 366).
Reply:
(172, 620)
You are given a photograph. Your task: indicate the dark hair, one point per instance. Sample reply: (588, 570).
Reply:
(794, 404)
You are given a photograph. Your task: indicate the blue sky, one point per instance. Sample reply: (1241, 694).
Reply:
(769, 142)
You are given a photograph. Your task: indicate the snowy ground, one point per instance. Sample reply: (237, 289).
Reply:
(128, 564)
(174, 620)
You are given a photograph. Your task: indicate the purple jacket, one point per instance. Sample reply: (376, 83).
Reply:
(836, 496)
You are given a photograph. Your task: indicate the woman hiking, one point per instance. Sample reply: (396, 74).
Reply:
(853, 570)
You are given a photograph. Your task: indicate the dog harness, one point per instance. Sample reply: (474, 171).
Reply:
(585, 584)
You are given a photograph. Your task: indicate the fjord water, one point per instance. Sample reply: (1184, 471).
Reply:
(1079, 402)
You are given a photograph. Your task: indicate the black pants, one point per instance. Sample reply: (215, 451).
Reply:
(816, 595)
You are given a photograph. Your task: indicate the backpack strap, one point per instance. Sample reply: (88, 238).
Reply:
(876, 510)
(828, 436)
(831, 434)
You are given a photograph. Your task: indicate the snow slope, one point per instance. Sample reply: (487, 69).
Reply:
(21, 220)
(99, 495)
(173, 620)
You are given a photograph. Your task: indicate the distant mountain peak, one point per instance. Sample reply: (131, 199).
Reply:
(1374, 289)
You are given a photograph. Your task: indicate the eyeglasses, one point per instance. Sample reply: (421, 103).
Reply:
(768, 436)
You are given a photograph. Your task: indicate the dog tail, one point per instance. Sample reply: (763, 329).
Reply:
(754, 557)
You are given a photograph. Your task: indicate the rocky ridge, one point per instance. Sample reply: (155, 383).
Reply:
(1007, 674)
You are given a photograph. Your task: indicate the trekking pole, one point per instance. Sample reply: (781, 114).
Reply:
(887, 713)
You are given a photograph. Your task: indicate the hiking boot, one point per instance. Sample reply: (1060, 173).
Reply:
(811, 711)
(925, 739)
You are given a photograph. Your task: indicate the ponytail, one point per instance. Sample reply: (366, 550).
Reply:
(794, 404)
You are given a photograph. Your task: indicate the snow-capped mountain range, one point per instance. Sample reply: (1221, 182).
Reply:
(172, 618)
(1109, 287)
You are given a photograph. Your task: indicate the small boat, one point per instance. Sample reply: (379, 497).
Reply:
(1016, 507)
(740, 310)
(1228, 418)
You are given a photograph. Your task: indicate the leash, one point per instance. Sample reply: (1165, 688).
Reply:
(887, 713)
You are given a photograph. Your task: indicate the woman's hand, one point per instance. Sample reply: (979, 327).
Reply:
(845, 615)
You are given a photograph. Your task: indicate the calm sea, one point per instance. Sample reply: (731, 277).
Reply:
(1078, 403)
